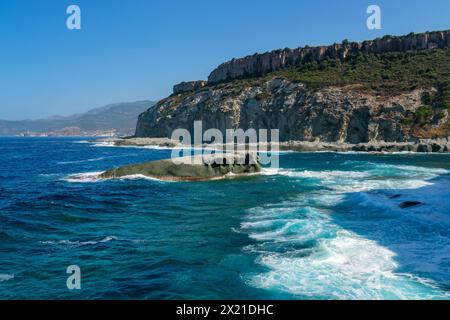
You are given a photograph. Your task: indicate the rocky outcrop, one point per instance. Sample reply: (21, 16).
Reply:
(258, 64)
(188, 86)
(331, 114)
(370, 97)
(203, 167)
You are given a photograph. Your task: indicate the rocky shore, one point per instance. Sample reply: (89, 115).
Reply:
(419, 146)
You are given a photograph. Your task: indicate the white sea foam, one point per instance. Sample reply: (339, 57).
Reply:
(277, 172)
(104, 144)
(90, 177)
(376, 176)
(331, 174)
(6, 277)
(77, 243)
(296, 230)
(308, 255)
(368, 185)
(82, 161)
(153, 147)
(86, 177)
(344, 267)
(141, 176)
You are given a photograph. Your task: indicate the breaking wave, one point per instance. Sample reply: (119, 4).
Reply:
(84, 177)
(309, 253)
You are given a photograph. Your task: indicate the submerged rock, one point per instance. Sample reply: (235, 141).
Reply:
(409, 204)
(189, 168)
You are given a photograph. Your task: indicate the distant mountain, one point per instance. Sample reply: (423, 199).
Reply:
(118, 119)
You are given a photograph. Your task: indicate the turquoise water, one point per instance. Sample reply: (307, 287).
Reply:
(323, 226)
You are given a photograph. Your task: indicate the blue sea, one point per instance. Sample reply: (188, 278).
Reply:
(322, 226)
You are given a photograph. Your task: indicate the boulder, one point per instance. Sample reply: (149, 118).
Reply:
(436, 147)
(424, 148)
(189, 168)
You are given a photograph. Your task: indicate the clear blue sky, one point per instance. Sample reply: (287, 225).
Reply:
(137, 49)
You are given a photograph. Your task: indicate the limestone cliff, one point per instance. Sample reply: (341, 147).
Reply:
(342, 114)
(188, 86)
(279, 59)
(365, 93)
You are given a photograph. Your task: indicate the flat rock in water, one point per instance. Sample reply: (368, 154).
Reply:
(189, 168)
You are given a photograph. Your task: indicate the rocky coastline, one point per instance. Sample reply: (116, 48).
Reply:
(385, 95)
(419, 146)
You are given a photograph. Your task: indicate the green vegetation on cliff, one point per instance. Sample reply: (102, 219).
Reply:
(443, 97)
(388, 73)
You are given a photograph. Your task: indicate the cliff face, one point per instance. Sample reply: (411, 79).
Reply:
(333, 114)
(188, 86)
(393, 89)
(258, 64)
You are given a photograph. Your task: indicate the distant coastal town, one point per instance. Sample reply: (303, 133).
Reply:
(75, 131)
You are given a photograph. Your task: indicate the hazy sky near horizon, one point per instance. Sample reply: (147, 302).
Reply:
(131, 50)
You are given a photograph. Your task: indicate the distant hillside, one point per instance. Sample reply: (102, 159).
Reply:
(119, 118)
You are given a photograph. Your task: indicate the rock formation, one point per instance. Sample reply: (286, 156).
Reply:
(353, 111)
(188, 86)
(203, 167)
(258, 64)
(331, 114)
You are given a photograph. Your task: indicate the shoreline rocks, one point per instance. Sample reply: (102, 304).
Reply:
(421, 146)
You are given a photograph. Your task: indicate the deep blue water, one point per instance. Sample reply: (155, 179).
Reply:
(323, 226)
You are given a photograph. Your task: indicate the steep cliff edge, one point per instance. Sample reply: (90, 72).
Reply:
(363, 93)
(276, 60)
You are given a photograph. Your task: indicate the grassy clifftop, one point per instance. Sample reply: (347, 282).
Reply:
(389, 73)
